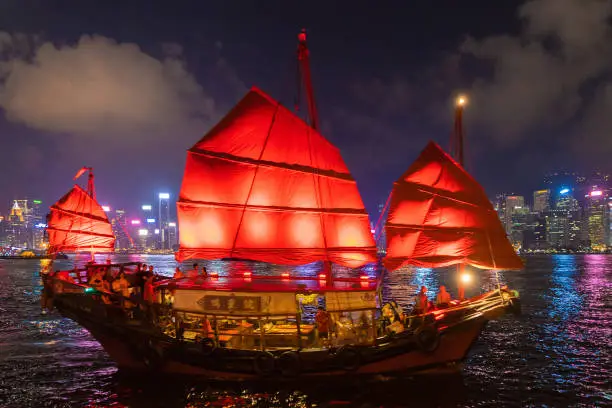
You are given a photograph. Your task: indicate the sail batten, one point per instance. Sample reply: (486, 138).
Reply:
(78, 223)
(440, 216)
(263, 185)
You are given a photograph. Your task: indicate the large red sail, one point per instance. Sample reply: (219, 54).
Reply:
(439, 215)
(263, 185)
(78, 223)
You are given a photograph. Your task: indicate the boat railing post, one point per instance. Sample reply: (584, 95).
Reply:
(299, 332)
(261, 335)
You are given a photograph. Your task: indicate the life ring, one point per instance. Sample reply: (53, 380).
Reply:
(290, 364)
(427, 338)
(264, 364)
(349, 358)
(207, 346)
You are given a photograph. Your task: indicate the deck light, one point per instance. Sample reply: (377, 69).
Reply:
(466, 278)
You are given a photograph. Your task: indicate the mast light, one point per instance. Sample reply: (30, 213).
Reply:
(461, 101)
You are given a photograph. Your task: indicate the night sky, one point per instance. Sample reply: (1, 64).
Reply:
(128, 86)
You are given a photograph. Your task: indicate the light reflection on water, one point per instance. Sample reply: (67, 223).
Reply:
(559, 353)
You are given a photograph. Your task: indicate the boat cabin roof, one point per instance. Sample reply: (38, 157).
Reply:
(271, 284)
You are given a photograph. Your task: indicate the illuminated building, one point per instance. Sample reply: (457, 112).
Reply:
(172, 236)
(119, 224)
(164, 219)
(513, 204)
(541, 200)
(597, 214)
(556, 226)
(534, 234)
(520, 217)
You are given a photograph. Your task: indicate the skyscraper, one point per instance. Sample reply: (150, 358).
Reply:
(598, 220)
(119, 224)
(164, 218)
(513, 203)
(541, 201)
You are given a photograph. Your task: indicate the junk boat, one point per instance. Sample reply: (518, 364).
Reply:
(266, 186)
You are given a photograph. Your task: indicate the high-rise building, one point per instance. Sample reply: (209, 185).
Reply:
(164, 219)
(513, 204)
(598, 220)
(534, 235)
(172, 236)
(541, 201)
(556, 227)
(119, 224)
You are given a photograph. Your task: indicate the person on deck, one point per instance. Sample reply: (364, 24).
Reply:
(204, 272)
(121, 286)
(322, 320)
(178, 274)
(149, 292)
(193, 273)
(444, 298)
(421, 304)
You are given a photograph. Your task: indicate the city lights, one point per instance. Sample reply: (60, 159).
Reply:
(164, 196)
(172, 224)
(135, 222)
(596, 193)
(564, 191)
(146, 207)
(156, 231)
(106, 208)
(143, 232)
(150, 220)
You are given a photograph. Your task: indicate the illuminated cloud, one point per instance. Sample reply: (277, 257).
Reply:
(541, 77)
(98, 87)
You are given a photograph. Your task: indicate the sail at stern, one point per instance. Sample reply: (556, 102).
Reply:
(439, 216)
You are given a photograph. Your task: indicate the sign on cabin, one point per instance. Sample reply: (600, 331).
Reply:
(231, 303)
(238, 303)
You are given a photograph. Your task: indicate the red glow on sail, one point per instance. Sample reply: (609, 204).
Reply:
(439, 215)
(265, 186)
(78, 223)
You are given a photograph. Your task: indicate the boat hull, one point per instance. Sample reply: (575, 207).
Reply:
(139, 348)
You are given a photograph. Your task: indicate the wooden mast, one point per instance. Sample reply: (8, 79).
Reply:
(457, 152)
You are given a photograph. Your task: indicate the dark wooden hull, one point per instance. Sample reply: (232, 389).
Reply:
(137, 347)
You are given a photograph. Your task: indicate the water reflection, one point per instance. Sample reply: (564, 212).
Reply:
(558, 353)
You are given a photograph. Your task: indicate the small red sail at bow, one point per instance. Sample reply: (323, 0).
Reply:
(78, 223)
(439, 215)
(263, 185)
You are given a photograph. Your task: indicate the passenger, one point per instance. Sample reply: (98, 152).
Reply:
(204, 272)
(106, 287)
(421, 304)
(121, 286)
(322, 320)
(151, 272)
(193, 273)
(444, 298)
(149, 292)
(97, 280)
(178, 274)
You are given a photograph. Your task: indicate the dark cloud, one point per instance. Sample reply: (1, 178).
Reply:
(541, 76)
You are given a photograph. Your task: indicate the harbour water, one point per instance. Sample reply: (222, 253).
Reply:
(557, 354)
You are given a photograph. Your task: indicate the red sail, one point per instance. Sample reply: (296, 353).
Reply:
(263, 185)
(78, 223)
(439, 215)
